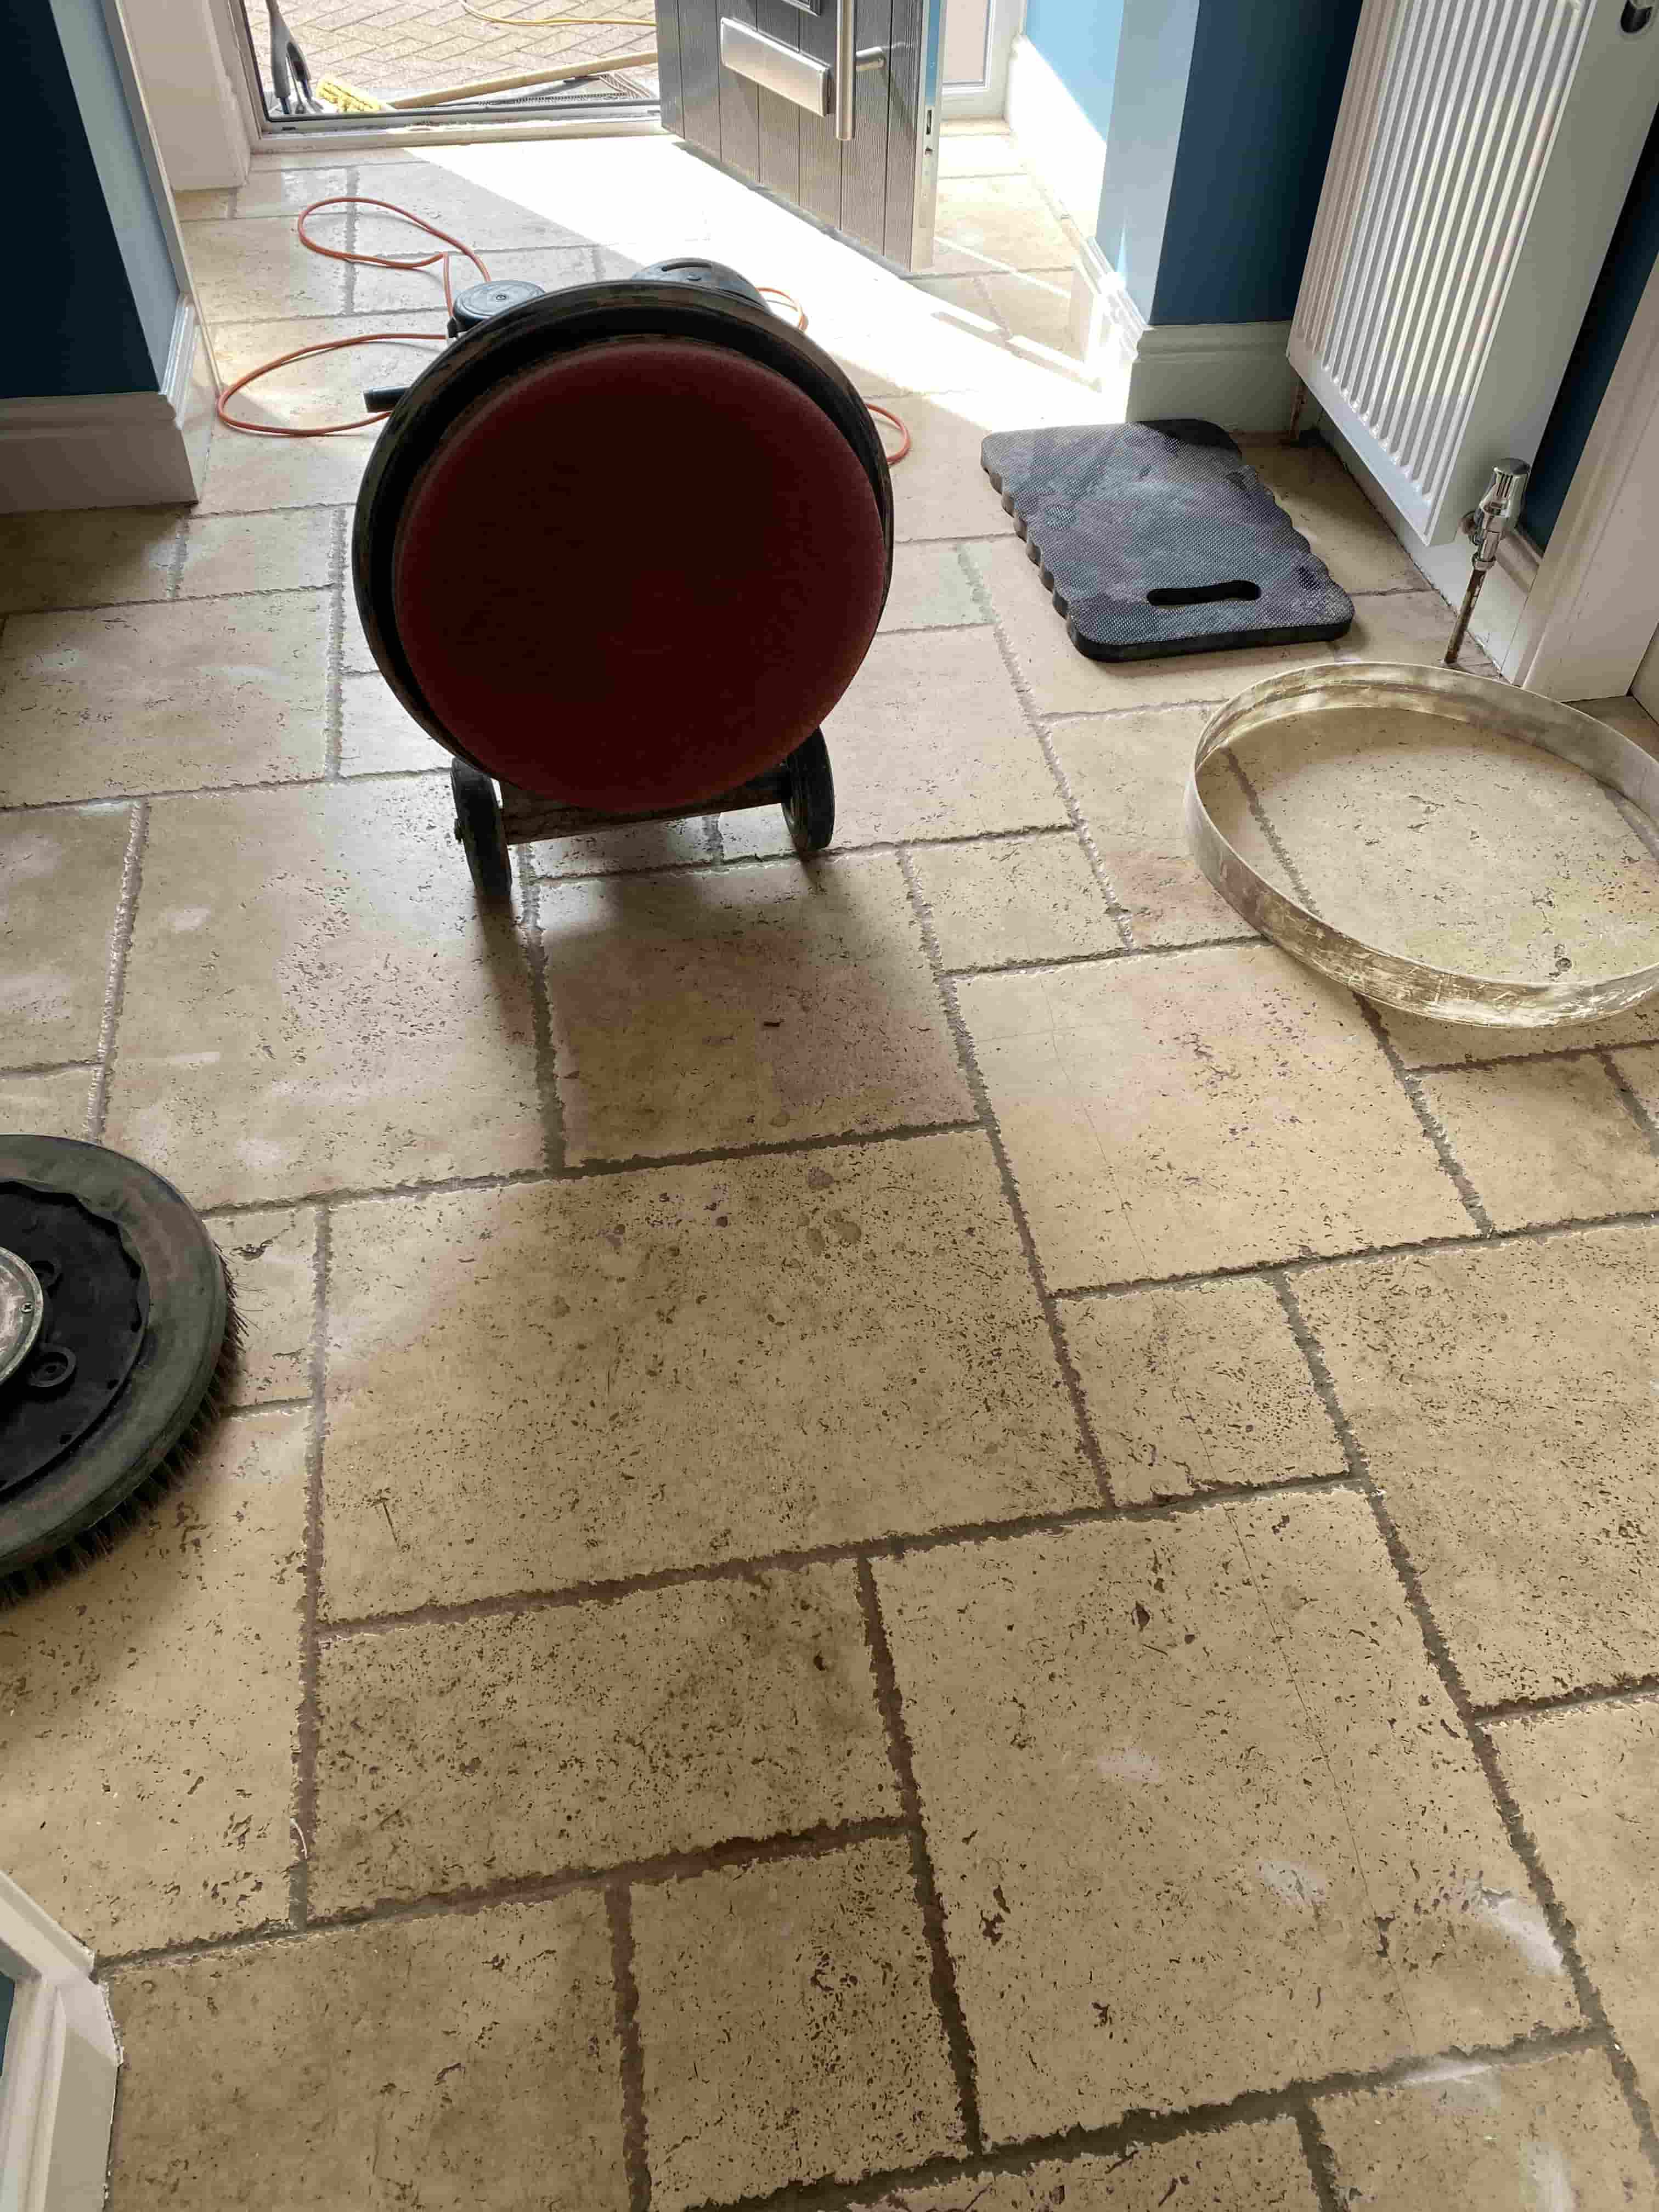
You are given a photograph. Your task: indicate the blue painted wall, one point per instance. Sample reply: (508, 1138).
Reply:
(1606, 322)
(1262, 92)
(103, 292)
(1079, 41)
(1149, 97)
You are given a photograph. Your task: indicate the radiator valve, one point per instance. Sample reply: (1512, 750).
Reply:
(1485, 527)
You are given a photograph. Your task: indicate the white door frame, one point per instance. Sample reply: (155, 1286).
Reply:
(58, 2087)
(986, 97)
(1593, 606)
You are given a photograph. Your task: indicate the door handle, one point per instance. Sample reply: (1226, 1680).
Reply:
(846, 67)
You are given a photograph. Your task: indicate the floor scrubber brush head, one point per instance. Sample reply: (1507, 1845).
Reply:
(118, 1342)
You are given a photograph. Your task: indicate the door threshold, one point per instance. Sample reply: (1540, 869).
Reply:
(313, 135)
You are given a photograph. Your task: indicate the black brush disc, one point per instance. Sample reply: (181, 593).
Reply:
(116, 1335)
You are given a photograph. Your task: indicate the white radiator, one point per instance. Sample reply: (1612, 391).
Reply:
(1482, 157)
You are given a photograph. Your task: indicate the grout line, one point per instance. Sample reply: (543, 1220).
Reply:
(206, 790)
(54, 1066)
(1321, 2161)
(987, 1122)
(1504, 1059)
(178, 552)
(334, 652)
(310, 1724)
(738, 1851)
(1427, 1120)
(900, 1544)
(959, 2041)
(126, 915)
(1439, 1654)
(546, 1054)
(630, 2054)
(1634, 1106)
(1636, 1690)
(1039, 730)
(269, 1406)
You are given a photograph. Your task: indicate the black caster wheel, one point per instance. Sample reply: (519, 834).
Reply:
(483, 834)
(809, 804)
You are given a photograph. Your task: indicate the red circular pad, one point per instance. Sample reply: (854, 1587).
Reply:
(638, 574)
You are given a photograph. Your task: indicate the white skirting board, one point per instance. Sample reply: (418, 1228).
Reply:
(1057, 141)
(113, 448)
(58, 2087)
(1231, 374)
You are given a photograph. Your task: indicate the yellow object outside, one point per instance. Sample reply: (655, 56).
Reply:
(346, 99)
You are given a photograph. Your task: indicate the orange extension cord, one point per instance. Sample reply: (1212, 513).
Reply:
(448, 247)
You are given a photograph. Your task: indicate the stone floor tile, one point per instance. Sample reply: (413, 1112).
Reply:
(1544, 1140)
(1255, 2168)
(375, 291)
(1409, 626)
(46, 1105)
(1423, 1043)
(1640, 1069)
(199, 207)
(287, 191)
(787, 2026)
(1626, 716)
(986, 223)
(1036, 307)
(467, 1752)
(86, 557)
(1196, 1386)
(257, 552)
(1586, 1782)
(941, 490)
(965, 295)
(641, 844)
(1340, 523)
(469, 2059)
(1201, 1815)
(1456, 847)
(1063, 681)
(931, 742)
(709, 1008)
(993, 153)
(485, 216)
(149, 1708)
(245, 272)
(60, 884)
(378, 735)
(1129, 776)
(1503, 2138)
(1023, 898)
(337, 1017)
(1206, 1109)
(1503, 1398)
(163, 698)
(251, 474)
(272, 1259)
(680, 1366)
(932, 590)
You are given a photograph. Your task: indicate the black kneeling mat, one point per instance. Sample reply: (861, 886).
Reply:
(1159, 537)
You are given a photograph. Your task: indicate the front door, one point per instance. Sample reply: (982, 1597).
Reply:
(833, 106)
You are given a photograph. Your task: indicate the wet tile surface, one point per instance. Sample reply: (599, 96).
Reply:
(257, 270)
(60, 886)
(369, 1027)
(1547, 1140)
(1587, 1787)
(1191, 1388)
(697, 1010)
(91, 557)
(1255, 2168)
(931, 588)
(1503, 1399)
(787, 2029)
(1213, 1109)
(272, 1262)
(1340, 523)
(1201, 1816)
(1027, 898)
(163, 698)
(149, 1709)
(378, 736)
(46, 1105)
(1508, 2139)
(323, 2073)
(456, 1755)
(681, 1365)
(996, 222)
(257, 552)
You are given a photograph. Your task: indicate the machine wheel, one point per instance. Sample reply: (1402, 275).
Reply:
(482, 832)
(809, 805)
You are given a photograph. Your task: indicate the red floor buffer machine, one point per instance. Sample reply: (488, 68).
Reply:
(620, 549)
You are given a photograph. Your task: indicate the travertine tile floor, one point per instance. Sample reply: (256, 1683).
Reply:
(914, 1533)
